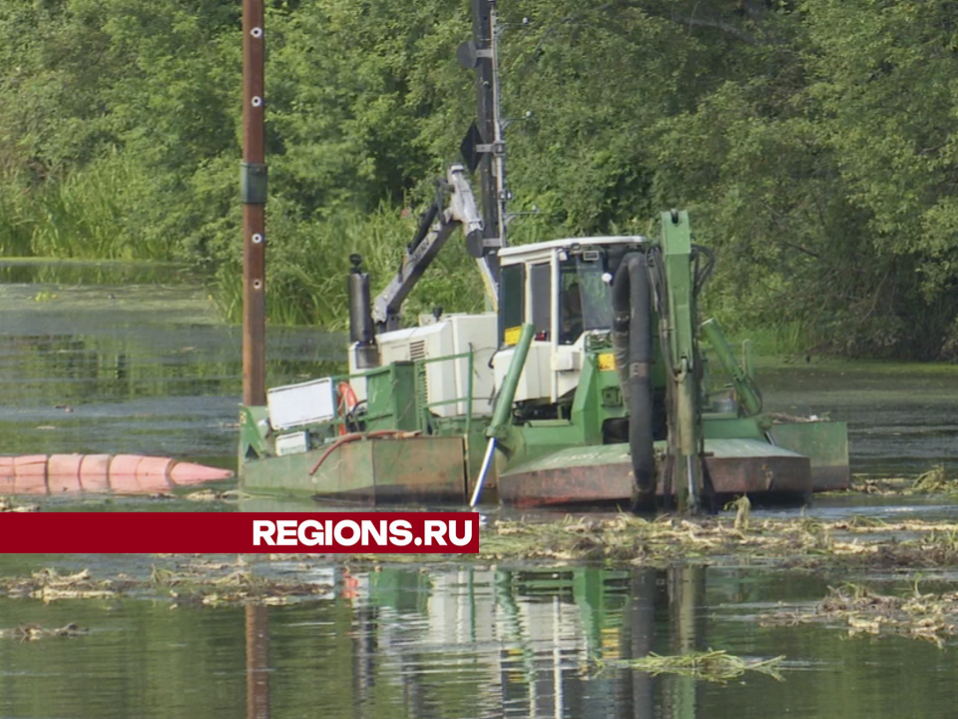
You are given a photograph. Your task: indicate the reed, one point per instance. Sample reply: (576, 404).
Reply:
(84, 215)
(308, 264)
(16, 212)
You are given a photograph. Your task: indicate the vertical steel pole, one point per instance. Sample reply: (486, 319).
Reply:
(253, 186)
(486, 111)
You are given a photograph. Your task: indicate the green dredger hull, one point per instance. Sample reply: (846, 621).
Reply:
(806, 457)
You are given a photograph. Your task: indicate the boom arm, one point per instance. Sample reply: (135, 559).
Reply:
(461, 210)
(678, 334)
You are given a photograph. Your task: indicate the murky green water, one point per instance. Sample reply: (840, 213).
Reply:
(902, 419)
(114, 359)
(463, 642)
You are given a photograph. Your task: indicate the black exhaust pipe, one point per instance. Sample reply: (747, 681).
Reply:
(361, 331)
(632, 345)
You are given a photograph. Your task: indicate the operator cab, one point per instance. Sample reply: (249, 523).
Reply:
(563, 289)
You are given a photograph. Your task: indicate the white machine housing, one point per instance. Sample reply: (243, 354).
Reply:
(446, 381)
(552, 369)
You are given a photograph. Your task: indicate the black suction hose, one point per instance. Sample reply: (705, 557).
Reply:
(632, 342)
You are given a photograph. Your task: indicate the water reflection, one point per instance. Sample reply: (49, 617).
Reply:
(257, 662)
(412, 642)
(503, 643)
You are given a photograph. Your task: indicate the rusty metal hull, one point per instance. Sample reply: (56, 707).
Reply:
(603, 474)
(416, 470)
(432, 470)
(574, 475)
(748, 466)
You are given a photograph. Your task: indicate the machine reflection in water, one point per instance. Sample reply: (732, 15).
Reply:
(526, 642)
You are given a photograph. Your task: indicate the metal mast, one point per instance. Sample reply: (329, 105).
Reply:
(253, 192)
(485, 110)
(498, 141)
(484, 148)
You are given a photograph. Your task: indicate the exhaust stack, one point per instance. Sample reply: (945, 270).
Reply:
(362, 335)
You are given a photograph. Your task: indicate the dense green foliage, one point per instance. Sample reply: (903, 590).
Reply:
(814, 142)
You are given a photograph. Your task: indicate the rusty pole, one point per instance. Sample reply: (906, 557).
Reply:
(253, 190)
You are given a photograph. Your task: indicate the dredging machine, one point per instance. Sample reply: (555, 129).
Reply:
(585, 384)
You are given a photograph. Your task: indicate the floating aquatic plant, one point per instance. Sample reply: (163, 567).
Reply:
(712, 665)
(934, 480)
(195, 583)
(32, 632)
(7, 505)
(931, 617)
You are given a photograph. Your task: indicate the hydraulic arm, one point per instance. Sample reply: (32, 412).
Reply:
(676, 301)
(438, 224)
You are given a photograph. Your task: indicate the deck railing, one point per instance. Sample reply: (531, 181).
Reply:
(426, 420)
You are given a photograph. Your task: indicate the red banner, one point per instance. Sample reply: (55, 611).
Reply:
(230, 533)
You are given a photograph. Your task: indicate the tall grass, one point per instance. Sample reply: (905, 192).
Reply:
(789, 338)
(84, 215)
(17, 209)
(308, 265)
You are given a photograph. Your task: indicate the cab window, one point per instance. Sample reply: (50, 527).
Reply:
(585, 300)
(511, 303)
(540, 281)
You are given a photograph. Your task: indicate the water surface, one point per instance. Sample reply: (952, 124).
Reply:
(464, 642)
(113, 359)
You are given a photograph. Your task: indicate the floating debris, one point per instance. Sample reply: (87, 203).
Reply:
(203, 583)
(634, 540)
(743, 510)
(934, 480)
(47, 585)
(711, 665)
(7, 505)
(931, 617)
(804, 542)
(238, 587)
(211, 495)
(32, 632)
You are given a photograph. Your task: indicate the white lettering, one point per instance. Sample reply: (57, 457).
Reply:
(353, 527)
(466, 533)
(434, 529)
(263, 531)
(367, 532)
(401, 532)
(370, 531)
(286, 532)
(310, 539)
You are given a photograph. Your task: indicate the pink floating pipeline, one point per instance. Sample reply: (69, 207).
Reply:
(56, 474)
